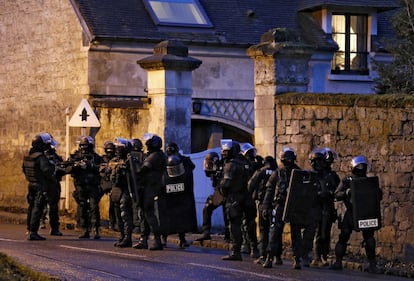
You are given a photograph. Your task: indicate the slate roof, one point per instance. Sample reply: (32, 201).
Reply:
(129, 20)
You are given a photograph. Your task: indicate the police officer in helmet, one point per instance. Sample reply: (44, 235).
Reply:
(327, 181)
(39, 172)
(153, 169)
(272, 211)
(213, 168)
(233, 186)
(257, 189)
(84, 169)
(359, 168)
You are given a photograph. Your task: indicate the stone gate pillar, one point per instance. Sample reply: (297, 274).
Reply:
(280, 66)
(170, 90)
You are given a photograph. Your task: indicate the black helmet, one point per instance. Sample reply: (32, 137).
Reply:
(172, 148)
(42, 141)
(152, 142)
(270, 162)
(136, 144)
(109, 147)
(122, 147)
(229, 148)
(317, 159)
(86, 144)
(211, 163)
(248, 151)
(359, 165)
(175, 166)
(330, 155)
(288, 156)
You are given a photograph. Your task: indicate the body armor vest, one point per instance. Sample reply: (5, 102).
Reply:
(31, 170)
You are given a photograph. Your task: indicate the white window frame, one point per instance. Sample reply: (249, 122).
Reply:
(185, 13)
(326, 24)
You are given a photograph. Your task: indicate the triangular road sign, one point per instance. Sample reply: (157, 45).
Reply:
(84, 116)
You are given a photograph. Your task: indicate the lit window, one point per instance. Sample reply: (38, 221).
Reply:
(177, 12)
(350, 33)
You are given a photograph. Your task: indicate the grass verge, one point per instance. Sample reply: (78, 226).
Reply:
(10, 270)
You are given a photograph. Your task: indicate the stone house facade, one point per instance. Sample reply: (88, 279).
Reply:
(54, 53)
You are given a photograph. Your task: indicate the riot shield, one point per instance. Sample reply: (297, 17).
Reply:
(177, 213)
(366, 198)
(300, 198)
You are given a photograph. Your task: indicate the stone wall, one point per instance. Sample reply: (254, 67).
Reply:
(43, 70)
(379, 127)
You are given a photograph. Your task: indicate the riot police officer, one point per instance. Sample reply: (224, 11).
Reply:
(178, 198)
(253, 163)
(134, 165)
(359, 165)
(53, 193)
(233, 186)
(152, 174)
(106, 184)
(327, 181)
(188, 177)
(257, 189)
(273, 206)
(84, 166)
(120, 195)
(213, 168)
(39, 172)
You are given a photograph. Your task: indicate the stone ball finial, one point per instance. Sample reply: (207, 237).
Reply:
(171, 47)
(277, 35)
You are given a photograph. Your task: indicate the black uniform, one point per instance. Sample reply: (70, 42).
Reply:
(213, 202)
(84, 169)
(134, 163)
(152, 175)
(234, 188)
(53, 193)
(257, 189)
(120, 195)
(328, 181)
(39, 172)
(106, 184)
(273, 206)
(346, 226)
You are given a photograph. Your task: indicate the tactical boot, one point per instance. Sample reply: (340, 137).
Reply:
(245, 249)
(254, 253)
(269, 262)
(316, 262)
(278, 260)
(85, 235)
(296, 263)
(337, 265)
(372, 268)
(122, 237)
(34, 236)
(126, 242)
(142, 243)
(55, 232)
(157, 244)
(205, 236)
(261, 260)
(96, 234)
(183, 244)
(164, 240)
(305, 261)
(233, 256)
(325, 261)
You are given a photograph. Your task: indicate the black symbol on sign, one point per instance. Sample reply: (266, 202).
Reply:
(84, 115)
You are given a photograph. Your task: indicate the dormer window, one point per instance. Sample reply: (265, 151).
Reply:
(350, 33)
(177, 13)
